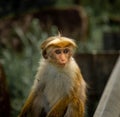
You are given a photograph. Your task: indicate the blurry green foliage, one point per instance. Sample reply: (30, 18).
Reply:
(97, 26)
(14, 8)
(21, 67)
(111, 6)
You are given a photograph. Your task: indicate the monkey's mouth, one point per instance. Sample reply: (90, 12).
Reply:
(62, 64)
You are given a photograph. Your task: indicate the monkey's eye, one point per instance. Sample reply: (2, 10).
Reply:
(58, 51)
(65, 51)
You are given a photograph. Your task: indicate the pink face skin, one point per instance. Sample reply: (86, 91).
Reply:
(61, 56)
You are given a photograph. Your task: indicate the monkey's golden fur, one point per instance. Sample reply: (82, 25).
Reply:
(58, 90)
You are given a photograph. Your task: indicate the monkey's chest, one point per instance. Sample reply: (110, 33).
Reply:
(57, 87)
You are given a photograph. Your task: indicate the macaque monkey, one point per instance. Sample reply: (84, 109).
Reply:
(59, 89)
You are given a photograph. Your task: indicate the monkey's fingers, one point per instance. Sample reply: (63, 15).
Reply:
(59, 109)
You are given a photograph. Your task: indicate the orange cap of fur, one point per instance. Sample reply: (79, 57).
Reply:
(58, 41)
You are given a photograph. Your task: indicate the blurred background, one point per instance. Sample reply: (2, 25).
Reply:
(24, 24)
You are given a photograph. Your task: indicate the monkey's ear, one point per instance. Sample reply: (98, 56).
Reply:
(44, 54)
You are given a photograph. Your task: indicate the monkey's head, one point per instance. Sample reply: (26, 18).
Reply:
(58, 49)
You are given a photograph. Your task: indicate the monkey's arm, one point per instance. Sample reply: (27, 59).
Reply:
(27, 106)
(59, 109)
(67, 107)
(76, 107)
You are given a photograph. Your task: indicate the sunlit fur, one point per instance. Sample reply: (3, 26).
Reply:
(58, 91)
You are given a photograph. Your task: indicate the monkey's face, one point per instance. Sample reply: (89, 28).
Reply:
(60, 56)
(58, 50)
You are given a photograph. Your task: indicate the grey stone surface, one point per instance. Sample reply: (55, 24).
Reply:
(109, 105)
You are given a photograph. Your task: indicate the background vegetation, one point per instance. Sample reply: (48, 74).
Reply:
(21, 67)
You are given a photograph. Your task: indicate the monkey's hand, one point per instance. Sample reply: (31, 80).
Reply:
(59, 109)
(75, 108)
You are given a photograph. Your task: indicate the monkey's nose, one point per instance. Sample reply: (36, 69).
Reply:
(63, 61)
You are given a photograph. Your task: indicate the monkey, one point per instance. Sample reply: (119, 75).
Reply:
(59, 89)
